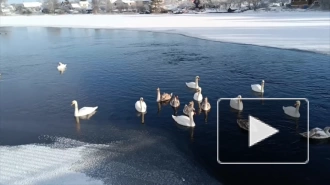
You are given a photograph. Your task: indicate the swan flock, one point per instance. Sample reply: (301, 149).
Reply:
(189, 110)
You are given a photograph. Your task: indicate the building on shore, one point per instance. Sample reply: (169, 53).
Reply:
(301, 3)
(84, 4)
(32, 6)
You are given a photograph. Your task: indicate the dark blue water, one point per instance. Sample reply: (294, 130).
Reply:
(112, 69)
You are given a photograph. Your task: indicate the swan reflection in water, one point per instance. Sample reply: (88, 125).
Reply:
(192, 133)
(140, 114)
(86, 117)
(206, 114)
(77, 125)
(61, 70)
(175, 111)
(259, 95)
(199, 110)
(161, 104)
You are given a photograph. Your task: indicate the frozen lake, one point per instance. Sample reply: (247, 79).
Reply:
(42, 143)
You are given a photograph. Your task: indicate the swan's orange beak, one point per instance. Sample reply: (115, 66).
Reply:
(295, 105)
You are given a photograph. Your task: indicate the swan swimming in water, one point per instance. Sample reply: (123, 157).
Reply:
(317, 133)
(236, 103)
(61, 66)
(83, 111)
(244, 123)
(175, 102)
(164, 97)
(188, 108)
(198, 95)
(259, 88)
(184, 120)
(193, 85)
(206, 105)
(141, 106)
(293, 111)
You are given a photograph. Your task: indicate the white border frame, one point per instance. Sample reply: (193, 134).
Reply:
(295, 99)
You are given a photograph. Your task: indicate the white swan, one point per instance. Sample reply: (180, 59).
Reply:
(198, 95)
(184, 120)
(236, 103)
(259, 88)
(61, 66)
(206, 105)
(193, 85)
(188, 108)
(83, 111)
(293, 111)
(175, 102)
(141, 106)
(317, 133)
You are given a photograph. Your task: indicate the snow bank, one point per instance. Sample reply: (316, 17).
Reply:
(41, 164)
(290, 30)
(136, 157)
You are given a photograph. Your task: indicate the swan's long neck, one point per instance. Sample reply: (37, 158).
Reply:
(297, 108)
(196, 82)
(76, 109)
(141, 104)
(262, 86)
(191, 119)
(158, 96)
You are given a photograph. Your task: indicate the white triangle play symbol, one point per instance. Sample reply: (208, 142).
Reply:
(259, 131)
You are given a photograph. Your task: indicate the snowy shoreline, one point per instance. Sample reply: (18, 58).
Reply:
(307, 31)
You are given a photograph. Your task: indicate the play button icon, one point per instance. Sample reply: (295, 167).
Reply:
(258, 131)
(261, 133)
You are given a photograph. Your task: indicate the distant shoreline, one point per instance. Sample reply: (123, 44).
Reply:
(306, 31)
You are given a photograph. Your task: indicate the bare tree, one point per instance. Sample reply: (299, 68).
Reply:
(108, 6)
(141, 8)
(95, 6)
(156, 6)
(325, 4)
(255, 3)
(239, 3)
(51, 5)
(120, 7)
(2, 2)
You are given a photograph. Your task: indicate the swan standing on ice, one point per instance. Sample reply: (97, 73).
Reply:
(188, 108)
(259, 88)
(61, 67)
(293, 111)
(198, 95)
(175, 102)
(184, 120)
(141, 106)
(83, 111)
(193, 85)
(206, 105)
(236, 103)
(164, 97)
(317, 133)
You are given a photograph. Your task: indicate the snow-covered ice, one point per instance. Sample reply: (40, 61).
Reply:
(41, 164)
(139, 160)
(309, 31)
